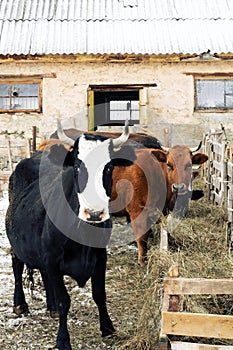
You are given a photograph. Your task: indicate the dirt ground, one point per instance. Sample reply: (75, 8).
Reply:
(125, 283)
(133, 294)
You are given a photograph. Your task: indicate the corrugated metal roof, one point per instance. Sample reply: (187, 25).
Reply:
(114, 9)
(115, 26)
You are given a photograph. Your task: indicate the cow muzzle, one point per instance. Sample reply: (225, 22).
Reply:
(94, 215)
(179, 188)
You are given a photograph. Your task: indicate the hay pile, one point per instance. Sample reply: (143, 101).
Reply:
(198, 246)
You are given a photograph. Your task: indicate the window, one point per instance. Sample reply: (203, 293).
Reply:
(114, 107)
(214, 94)
(18, 96)
(124, 110)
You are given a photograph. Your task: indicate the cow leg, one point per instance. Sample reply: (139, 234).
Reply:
(142, 244)
(99, 296)
(20, 305)
(50, 297)
(141, 232)
(63, 304)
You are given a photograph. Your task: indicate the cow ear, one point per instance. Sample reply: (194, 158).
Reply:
(199, 158)
(160, 155)
(125, 156)
(59, 155)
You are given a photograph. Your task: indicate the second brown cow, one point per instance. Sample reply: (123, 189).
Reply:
(159, 181)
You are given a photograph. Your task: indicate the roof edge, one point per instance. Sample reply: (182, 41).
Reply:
(112, 58)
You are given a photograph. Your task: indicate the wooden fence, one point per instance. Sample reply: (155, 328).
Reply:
(175, 323)
(218, 174)
(14, 146)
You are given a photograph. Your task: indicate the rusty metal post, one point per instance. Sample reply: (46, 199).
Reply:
(34, 130)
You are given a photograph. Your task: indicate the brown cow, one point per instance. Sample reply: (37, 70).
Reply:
(177, 166)
(140, 193)
(148, 187)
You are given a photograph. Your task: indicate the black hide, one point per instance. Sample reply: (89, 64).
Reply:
(45, 232)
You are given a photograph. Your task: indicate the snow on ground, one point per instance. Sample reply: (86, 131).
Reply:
(37, 331)
(5, 258)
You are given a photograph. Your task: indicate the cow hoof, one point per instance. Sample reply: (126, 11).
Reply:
(63, 345)
(54, 314)
(21, 309)
(141, 263)
(108, 331)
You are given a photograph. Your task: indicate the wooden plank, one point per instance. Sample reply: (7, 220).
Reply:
(198, 325)
(164, 344)
(190, 286)
(34, 130)
(217, 165)
(163, 238)
(216, 181)
(230, 169)
(9, 152)
(230, 203)
(194, 346)
(217, 147)
(163, 341)
(217, 198)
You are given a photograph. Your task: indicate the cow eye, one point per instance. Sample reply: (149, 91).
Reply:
(169, 166)
(78, 168)
(109, 170)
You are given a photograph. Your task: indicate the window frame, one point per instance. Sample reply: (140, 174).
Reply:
(112, 95)
(212, 77)
(141, 89)
(24, 81)
(121, 96)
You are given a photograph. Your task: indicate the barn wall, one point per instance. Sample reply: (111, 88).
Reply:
(172, 101)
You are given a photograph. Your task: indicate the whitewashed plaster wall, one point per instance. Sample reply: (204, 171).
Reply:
(65, 95)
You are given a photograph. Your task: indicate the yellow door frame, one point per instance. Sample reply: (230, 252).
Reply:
(143, 104)
(90, 104)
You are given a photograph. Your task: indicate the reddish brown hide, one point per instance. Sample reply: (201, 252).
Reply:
(177, 167)
(140, 193)
(151, 185)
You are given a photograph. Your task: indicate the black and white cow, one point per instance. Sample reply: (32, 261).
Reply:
(58, 221)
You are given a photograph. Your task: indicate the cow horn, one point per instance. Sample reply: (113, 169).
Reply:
(117, 143)
(195, 149)
(62, 136)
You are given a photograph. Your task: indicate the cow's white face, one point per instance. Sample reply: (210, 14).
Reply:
(94, 202)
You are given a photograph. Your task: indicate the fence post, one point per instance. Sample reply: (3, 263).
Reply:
(170, 303)
(219, 177)
(223, 174)
(209, 145)
(230, 216)
(33, 140)
(9, 152)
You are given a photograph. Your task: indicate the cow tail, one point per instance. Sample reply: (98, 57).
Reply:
(30, 278)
